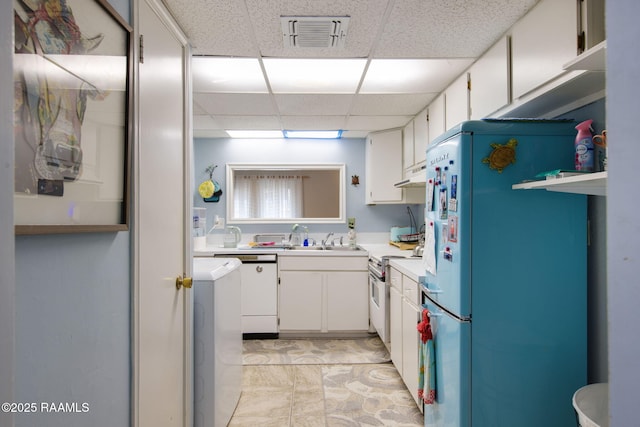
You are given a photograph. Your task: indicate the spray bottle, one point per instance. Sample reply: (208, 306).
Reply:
(584, 147)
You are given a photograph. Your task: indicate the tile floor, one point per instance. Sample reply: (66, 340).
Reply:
(331, 395)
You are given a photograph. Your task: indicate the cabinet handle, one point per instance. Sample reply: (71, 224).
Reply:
(259, 269)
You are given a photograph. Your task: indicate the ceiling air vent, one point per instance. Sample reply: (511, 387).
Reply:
(314, 31)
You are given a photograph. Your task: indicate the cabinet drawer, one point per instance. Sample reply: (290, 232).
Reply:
(410, 290)
(323, 263)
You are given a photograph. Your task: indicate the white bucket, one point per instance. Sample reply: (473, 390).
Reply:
(591, 403)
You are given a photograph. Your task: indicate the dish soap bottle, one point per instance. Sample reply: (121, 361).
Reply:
(351, 234)
(584, 147)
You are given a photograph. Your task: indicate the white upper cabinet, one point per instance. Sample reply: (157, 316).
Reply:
(421, 136)
(541, 43)
(457, 102)
(489, 81)
(407, 146)
(384, 167)
(436, 118)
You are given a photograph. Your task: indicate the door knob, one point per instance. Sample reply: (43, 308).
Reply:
(183, 281)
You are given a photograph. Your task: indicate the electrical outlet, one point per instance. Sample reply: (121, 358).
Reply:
(218, 222)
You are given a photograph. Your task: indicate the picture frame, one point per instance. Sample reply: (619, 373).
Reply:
(72, 117)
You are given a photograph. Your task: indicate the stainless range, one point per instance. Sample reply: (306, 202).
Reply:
(379, 295)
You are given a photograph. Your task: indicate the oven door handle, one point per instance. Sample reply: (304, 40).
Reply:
(375, 277)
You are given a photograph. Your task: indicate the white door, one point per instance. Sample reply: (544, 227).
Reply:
(160, 252)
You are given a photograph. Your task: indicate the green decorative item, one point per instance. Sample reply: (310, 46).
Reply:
(502, 155)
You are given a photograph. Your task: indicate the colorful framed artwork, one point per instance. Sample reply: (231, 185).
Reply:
(72, 117)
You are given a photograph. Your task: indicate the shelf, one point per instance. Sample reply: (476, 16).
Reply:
(594, 184)
(593, 59)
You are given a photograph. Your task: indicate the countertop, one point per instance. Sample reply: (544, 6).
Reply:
(374, 249)
(411, 267)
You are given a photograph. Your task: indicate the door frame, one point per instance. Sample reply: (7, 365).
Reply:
(7, 236)
(165, 17)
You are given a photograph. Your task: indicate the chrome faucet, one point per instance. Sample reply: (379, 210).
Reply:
(326, 240)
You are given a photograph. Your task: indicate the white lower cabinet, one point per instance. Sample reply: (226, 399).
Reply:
(410, 337)
(405, 315)
(323, 294)
(300, 300)
(395, 327)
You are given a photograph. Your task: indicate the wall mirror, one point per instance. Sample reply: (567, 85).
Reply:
(285, 193)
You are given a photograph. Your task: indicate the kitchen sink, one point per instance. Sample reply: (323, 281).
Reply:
(326, 248)
(343, 248)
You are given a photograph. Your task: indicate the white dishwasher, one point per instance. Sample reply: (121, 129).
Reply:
(259, 294)
(217, 340)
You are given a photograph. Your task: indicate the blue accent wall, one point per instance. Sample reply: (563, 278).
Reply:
(351, 152)
(73, 328)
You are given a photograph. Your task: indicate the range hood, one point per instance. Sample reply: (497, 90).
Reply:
(416, 178)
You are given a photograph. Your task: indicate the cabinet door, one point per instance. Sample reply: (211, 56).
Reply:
(384, 166)
(347, 301)
(436, 118)
(395, 328)
(300, 301)
(421, 136)
(410, 337)
(541, 42)
(408, 155)
(457, 102)
(490, 81)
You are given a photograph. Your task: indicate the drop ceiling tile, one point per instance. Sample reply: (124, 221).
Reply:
(197, 109)
(313, 122)
(208, 133)
(348, 134)
(313, 104)
(372, 123)
(215, 27)
(451, 29)
(235, 104)
(205, 122)
(248, 122)
(391, 104)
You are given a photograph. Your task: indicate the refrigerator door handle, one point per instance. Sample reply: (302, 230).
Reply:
(431, 313)
(430, 291)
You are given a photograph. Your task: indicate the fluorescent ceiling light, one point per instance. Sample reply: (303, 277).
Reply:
(314, 75)
(313, 134)
(220, 75)
(411, 75)
(255, 133)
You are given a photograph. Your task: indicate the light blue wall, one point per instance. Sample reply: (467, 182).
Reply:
(351, 152)
(72, 327)
(72, 323)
